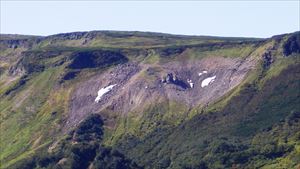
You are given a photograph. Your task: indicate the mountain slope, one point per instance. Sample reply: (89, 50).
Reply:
(149, 100)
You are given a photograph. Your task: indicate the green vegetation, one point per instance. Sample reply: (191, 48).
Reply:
(220, 51)
(26, 116)
(233, 136)
(80, 149)
(160, 115)
(255, 125)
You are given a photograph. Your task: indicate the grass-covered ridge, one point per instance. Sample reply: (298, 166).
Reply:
(38, 77)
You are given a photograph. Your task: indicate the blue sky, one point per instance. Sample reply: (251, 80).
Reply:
(217, 18)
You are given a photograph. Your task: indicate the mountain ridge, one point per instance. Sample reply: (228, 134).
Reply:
(142, 33)
(48, 87)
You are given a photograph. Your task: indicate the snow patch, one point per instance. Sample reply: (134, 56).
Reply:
(201, 73)
(207, 81)
(103, 91)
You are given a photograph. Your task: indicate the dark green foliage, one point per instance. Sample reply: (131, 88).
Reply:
(46, 160)
(89, 130)
(79, 150)
(29, 163)
(108, 158)
(259, 126)
(274, 102)
(96, 58)
(246, 133)
(82, 154)
(40, 160)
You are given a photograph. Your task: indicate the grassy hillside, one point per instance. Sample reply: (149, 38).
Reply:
(257, 128)
(254, 124)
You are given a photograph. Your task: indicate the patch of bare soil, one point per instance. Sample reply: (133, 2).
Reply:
(82, 101)
(137, 86)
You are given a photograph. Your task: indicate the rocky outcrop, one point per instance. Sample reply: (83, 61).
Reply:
(169, 78)
(83, 98)
(171, 51)
(69, 75)
(292, 45)
(19, 43)
(158, 82)
(267, 59)
(33, 61)
(172, 79)
(69, 36)
(95, 58)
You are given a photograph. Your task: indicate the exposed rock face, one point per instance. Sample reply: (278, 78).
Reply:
(172, 79)
(69, 75)
(69, 36)
(97, 58)
(292, 45)
(83, 98)
(171, 51)
(169, 78)
(145, 87)
(33, 61)
(133, 93)
(19, 43)
(267, 59)
(16, 70)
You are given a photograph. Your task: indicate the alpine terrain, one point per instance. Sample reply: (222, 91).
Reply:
(133, 100)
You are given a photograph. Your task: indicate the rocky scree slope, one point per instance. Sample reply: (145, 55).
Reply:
(165, 101)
